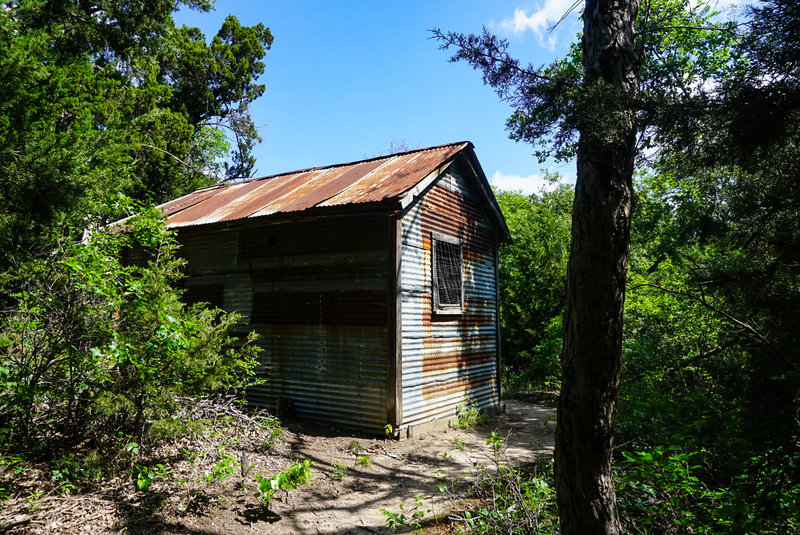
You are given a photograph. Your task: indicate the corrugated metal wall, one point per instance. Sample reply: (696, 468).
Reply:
(448, 359)
(321, 293)
(316, 292)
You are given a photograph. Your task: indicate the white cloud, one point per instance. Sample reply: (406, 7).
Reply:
(526, 184)
(550, 12)
(539, 21)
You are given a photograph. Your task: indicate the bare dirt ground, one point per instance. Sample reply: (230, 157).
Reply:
(343, 497)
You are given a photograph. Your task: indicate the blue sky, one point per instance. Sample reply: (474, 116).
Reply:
(347, 79)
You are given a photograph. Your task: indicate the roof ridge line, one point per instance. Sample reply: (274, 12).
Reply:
(343, 164)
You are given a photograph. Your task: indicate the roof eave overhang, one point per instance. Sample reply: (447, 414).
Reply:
(375, 209)
(490, 202)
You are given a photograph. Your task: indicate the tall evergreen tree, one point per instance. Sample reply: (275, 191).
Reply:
(98, 98)
(600, 236)
(598, 261)
(602, 104)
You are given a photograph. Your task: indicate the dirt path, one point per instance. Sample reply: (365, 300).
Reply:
(344, 496)
(350, 501)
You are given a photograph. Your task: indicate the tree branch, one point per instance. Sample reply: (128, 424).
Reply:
(668, 28)
(459, 41)
(182, 162)
(697, 358)
(572, 8)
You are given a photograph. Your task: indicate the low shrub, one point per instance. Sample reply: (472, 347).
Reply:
(89, 341)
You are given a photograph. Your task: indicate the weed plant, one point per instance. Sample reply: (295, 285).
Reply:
(504, 499)
(292, 477)
(340, 469)
(469, 416)
(413, 519)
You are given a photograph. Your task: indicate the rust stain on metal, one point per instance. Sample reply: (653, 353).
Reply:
(456, 345)
(457, 359)
(336, 183)
(399, 174)
(369, 181)
(181, 203)
(269, 192)
(209, 205)
(460, 384)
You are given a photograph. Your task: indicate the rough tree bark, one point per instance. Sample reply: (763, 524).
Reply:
(596, 274)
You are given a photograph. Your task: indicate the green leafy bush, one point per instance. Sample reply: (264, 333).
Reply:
(87, 338)
(660, 492)
(468, 415)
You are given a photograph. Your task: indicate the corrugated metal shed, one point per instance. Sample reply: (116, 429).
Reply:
(332, 266)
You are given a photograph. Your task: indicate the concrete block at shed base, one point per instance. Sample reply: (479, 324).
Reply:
(426, 427)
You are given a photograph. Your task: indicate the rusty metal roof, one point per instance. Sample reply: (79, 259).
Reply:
(375, 180)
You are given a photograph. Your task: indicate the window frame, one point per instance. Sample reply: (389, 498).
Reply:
(438, 307)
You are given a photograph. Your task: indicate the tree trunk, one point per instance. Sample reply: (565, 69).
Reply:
(590, 361)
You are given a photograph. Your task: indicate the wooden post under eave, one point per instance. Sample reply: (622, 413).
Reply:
(394, 328)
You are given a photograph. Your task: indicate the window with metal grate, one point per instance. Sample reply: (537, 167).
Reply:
(448, 287)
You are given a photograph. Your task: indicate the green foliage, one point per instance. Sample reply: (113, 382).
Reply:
(506, 499)
(660, 492)
(65, 472)
(100, 98)
(33, 501)
(340, 469)
(175, 428)
(292, 477)
(765, 495)
(700, 374)
(413, 520)
(710, 359)
(90, 339)
(468, 416)
(364, 461)
(663, 491)
(141, 474)
(11, 466)
(680, 45)
(144, 476)
(495, 443)
(224, 468)
(276, 431)
(532, 276)
(94, 466)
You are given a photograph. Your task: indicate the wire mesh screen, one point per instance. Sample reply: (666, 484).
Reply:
(448, 273)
